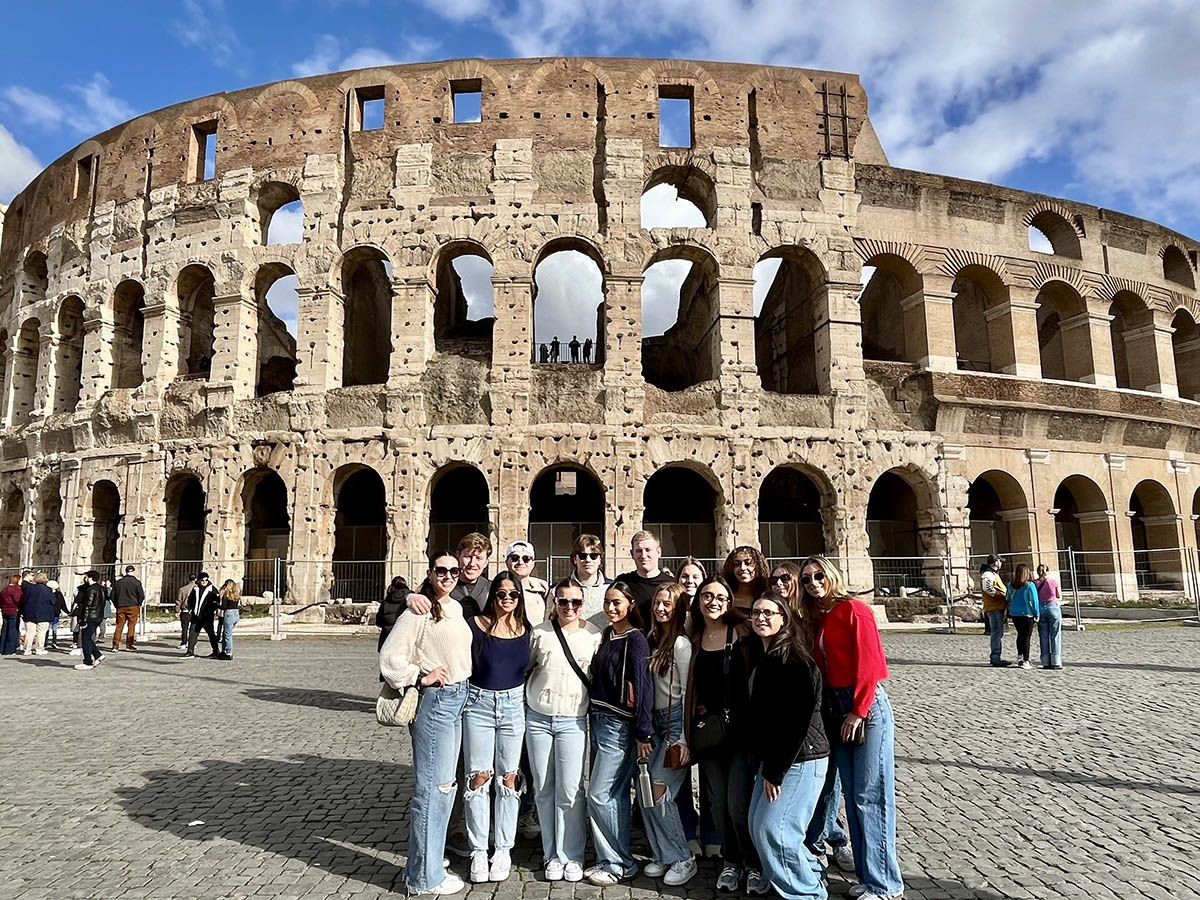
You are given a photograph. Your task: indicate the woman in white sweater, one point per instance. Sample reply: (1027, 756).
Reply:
(432, 650)
(556, 696)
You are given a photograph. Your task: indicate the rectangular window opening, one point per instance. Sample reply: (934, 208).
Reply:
(203, 155)
(467, 97)
(83, 176)
(367, 111)
(675, 116)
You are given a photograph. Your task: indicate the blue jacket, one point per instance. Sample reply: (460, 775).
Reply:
(39, 603)
(1023, 600)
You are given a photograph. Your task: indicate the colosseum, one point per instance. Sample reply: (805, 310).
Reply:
(901, 369)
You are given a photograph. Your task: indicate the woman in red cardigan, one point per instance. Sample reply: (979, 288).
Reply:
(860, 728)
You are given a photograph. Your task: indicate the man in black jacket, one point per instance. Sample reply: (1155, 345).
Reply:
(89, 610)
(201, 605)
(127, 597)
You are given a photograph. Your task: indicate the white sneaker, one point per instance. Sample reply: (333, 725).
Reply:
(451, 884)
(843, 857)
(602, 877)
(680, 873)
(501, 866)
(40, 652)
(871, 896)
(183, 645)
(573, 872)
(554, 870)
(1025, 664)
(654, 869)
(857, 890)
(75, 651)
(82, 667)
(116, 649)
(479, 866)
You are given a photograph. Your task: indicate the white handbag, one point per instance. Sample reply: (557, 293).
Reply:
(396, 707)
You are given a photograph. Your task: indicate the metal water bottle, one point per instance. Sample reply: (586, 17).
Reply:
(645, 787)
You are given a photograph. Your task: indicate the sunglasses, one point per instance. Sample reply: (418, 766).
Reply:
(764, 613)
(568, 603)
(785, 578)
(443, 572)
(809, 579)
(521, 559)
(588, 555)
(508, 595)
(709, 596)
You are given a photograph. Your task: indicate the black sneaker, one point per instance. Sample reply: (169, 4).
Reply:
(189, 656)
(1003, 664)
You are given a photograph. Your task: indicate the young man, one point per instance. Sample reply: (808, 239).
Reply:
(128, 597)
(201, 604)
(473, 553)
(520, 559)
(646, 577)
(587, 556)
(181, 609)
(995, 607)
(89, 612)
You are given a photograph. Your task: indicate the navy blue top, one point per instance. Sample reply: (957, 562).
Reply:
(621, 666)
(497, 664)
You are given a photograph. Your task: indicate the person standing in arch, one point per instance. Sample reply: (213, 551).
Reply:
(554, 345)
(574, 348)
(587, 350)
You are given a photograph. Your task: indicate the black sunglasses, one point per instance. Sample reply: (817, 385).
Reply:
(508, 595)
(567, 602)
(785, 578)
(524, 559)
(442, 571)
(588, 555)
(816, 576)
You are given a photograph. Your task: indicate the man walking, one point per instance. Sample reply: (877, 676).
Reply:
(128, 597)
(181, 609)
(201, 604)
(89, 612)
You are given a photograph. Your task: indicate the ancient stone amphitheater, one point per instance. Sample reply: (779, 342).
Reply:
(976, 395)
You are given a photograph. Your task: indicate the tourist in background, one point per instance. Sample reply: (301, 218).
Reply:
(10, 609)
(181, 609)
(670, 663)
(587, 557)
(201, 605)
(787, 746)
(860, 725)
(716, 701)
(230, 606)
(520, 559)
(394, 602)
(1049, 618)
(494, 727)
(557, 692)
(646, 576)
(109, 610)
(1023, 608)
(995, 607)
(60, 609)
(128, 597)
(432, 650)
(746, 572)
(37, 610)
(89, 611)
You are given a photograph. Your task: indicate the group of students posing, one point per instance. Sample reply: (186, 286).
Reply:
(768, 680)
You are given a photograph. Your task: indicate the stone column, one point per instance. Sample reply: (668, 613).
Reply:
(321, 337)
(47, 380)
(512, 347)
(929, 325)
(513, 514)
(734, 363)
(1151, 357)
(741, 512)
(160, 346)
(1186, 359)
(97, 356)
(235, 344)
(412, 327)
(6, 402)
(621, 344)
(837, 337)
(77, 546)
(1087, 349)
(1013, 334)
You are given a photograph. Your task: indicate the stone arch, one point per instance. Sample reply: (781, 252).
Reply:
(534, 83)
(185, 522)
(279, 88)
(796, 512)
(890, 332)
(26, 361)
(278, 196)
(1176, 267)
(683, 504)
(459, 503)
(129, 325)
(1154, 524)
(68, 363)
(1185, 347)
(1083, 528)
(566, 499)
(785, 324)
(983, 338)
(107, 517)
(677, 71)
(999, 517)
(213, 106)
(902, 514)
(35, 278)
(275, 358)
(264, 504)
(687, 352)
(1059, 227)
(360, 537)
(48, 523)
(366, 276)
(1131, 331)
(195, 290)
(692, 185)
(570, 289)
(12, 517)
(375, 76)
(463, 319)
(1064, 356)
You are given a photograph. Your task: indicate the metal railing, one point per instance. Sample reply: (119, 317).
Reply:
(584, 355)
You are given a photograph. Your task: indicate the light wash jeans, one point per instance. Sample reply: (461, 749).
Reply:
(436, 735)
(825, 831)
(997, 624)
(613, 765)
(869, 779)
(556, 746)
(493, 734)
(1050, 634)
(231, 617)
(664, 829)
(776, 829)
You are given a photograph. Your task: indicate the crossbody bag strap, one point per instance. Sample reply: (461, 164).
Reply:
(726, 665)
(562, 639)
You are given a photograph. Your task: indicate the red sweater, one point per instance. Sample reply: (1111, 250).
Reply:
(10, 599)
(850, 652)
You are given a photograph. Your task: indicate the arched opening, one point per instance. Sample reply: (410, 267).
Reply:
(1065, 357)
(893, 536)
(1177, 268)
(359, 534)
(464, 309)
(679, 197)
(568, 304)
(367, 323)
(564, 502)
(1083, 529)
(888, 330)
(268, 531)
(278, 305)
(790, 523)
(1157, 564)
(999, 517)
(1131, 331)
(1185, 346)
(26, 362)
(68, 367)
(1049, 232)
(129, 326)
(458, 505)
(680, 340)
(106, 527)
(185, 503)
(280, 213)
(982, 342)
(12, 512)
(788, 282)
(195, 289)
(35, 278)
(48, 524)
(680, 507)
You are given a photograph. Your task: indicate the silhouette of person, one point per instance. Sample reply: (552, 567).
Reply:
(554, 349)
(544, 350)
(587, 350)
(574, 345)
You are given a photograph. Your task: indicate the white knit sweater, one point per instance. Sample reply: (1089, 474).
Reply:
(554, 689)
(417, 645)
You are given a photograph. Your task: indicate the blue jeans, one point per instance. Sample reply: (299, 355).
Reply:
(825, 831)
(998, 624)
(493, 734)
(777, 832)
(609, 810)
(10, 635)
(869, 780)
(231, 619)
(556, 746)
(1050, 634)
(664, 830)
(436, 735)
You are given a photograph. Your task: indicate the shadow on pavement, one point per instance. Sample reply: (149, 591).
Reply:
(335, 701)
(1063, 777)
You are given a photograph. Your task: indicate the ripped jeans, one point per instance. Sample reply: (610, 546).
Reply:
(493, 734)
(436, 734)
(668, 842)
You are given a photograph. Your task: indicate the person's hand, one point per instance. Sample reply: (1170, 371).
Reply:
(644, 750)
(419, 604)
(771, 790)
(438, 676)
(685, 755)
(538, 584)
(850, 726)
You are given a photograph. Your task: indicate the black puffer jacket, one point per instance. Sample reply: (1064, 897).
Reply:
(89, 604)
(784, 725)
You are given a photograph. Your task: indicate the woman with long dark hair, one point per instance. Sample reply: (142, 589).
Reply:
(746, 572)
(787, 746)
(494, 726)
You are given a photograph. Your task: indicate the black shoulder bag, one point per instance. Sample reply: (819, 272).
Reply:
(562, 639)
(710, 729)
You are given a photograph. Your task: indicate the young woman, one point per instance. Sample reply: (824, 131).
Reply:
(1050, 620)
(786, 741)
(556, 698)
(622, 706)
(432, 650)
(231, 611)
(670, 662)
(1023, 609)
(785, 581)
(10, 608)
(746, 571)
(691, 573)
(717, 695)
(861, 729)
(703, 837)
(494, 725)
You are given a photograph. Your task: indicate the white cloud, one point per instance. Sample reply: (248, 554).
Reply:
(569, 293)
(475, 274)
(36, 109)
(327, 55)
(660, 295)
(93, 110)
(205, 24)
(284, 302)
(287, 224)
(662, 207)
(18, 166)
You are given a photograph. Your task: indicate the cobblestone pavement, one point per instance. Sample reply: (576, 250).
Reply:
(154, 777)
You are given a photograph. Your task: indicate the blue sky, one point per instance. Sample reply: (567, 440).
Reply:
(1096, 100)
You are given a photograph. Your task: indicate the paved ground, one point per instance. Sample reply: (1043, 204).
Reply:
(152, 777)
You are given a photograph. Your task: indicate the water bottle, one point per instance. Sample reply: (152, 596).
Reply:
(645, 787)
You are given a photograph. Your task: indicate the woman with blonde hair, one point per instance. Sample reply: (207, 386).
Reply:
(230, 605)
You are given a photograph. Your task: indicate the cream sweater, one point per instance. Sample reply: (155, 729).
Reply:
(418, 645)
(554, 689)
(669, 691)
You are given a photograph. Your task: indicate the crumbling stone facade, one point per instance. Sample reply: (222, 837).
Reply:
(155, 407)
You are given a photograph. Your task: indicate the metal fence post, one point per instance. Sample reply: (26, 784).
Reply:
(947, 562)
(277, 633)
(1075, 588)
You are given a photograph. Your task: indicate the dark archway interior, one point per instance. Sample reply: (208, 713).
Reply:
(48, 526)
(197, 287)
(268, 531)
(128, 332)
(564, 502)
(785, 327)
(988, 534)
(789, 515)
(186, 515)
(892, 535)
(106, 520)
(463, 321)
(680, 508)
(367, 339)
(12, 511)
(360, 537)
(458, 505)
